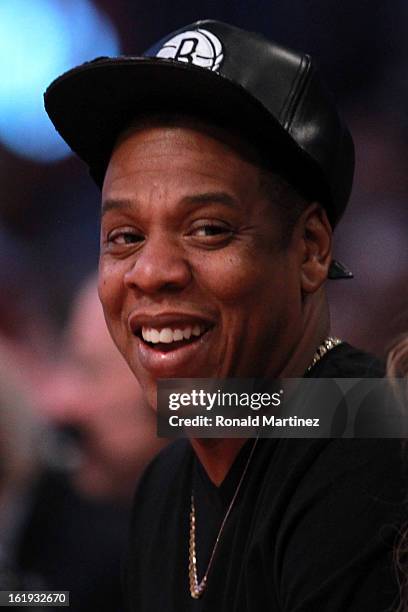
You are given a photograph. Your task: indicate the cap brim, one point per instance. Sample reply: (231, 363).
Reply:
(90, 106)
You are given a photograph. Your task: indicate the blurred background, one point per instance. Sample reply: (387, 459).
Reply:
(55, 357)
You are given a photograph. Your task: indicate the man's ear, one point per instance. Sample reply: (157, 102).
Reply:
(315, 242)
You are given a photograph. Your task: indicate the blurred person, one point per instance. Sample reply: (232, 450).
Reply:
(50, 537)
(92, 395)
(20, 438)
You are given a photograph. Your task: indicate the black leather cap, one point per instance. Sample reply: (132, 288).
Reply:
(273, 95)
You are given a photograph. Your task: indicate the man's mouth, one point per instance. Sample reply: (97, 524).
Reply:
(168, 339)
(172, 344)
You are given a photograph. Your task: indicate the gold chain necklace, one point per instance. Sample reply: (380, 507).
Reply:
(324, 348)
(197, 587)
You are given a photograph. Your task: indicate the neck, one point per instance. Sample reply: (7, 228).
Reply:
(316, 328)
(218, 454)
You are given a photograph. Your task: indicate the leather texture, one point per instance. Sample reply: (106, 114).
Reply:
(272, 94)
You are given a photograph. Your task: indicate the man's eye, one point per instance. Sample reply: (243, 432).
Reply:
(210, 229)
(124, 237)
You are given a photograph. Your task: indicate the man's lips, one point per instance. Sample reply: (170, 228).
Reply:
(169, 344)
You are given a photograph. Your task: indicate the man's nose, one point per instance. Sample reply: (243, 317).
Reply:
(160, 265)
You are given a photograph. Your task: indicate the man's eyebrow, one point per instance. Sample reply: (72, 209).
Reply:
(111, 204)
(210, 197)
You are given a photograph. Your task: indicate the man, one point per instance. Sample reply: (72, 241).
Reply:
(92, 394)
(224, 167)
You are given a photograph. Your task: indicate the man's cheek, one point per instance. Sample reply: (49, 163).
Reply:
(230, 276)
(111, 292)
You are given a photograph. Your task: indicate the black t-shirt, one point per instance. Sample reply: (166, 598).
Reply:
(312, 528)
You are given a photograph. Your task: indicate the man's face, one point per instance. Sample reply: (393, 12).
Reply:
(193, 279)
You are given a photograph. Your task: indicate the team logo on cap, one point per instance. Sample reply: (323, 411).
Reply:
(199, 47)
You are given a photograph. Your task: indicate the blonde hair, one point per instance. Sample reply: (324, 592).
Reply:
(397, 368)
(397, 362)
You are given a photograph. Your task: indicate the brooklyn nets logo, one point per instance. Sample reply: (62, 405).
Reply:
(198, 47)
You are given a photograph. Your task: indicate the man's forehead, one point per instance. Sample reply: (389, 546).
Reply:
(159, 123)
(193, 160)
(223, 166)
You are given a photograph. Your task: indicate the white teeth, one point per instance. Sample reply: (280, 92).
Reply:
(177, 335)
(167, 335)
(154, 336)
(196, 330)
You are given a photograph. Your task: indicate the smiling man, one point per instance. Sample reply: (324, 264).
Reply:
(195, 276)
(224, 166)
